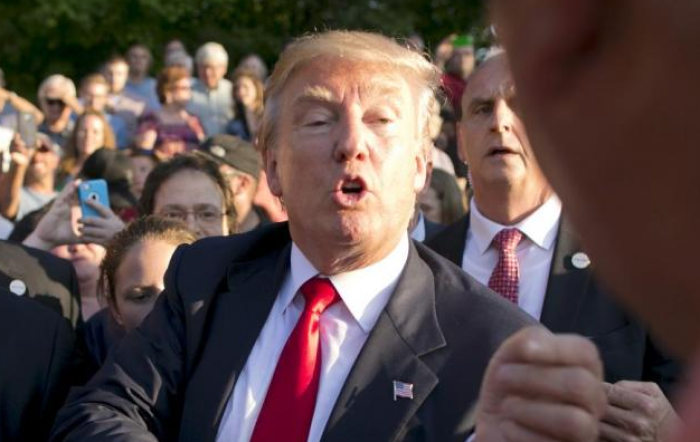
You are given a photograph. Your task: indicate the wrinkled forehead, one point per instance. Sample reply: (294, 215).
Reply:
(329, 78)
(491, 80)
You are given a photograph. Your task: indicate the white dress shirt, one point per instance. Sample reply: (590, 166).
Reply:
(535, 251)
(345, 327)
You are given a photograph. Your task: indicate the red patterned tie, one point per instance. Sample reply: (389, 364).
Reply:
(289, 404)
(505, 279)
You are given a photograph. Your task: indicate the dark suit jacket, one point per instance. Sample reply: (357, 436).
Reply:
(172, 378)
(37, 366)
(49, 279)
(575, 303)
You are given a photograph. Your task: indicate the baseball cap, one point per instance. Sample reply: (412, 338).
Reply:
(235, 152)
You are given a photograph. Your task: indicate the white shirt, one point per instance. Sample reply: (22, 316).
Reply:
(345, 327)
(535, 251)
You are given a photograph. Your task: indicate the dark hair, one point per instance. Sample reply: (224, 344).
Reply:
(188, 161)
(167, 78)
(449, 194)
(140, 230)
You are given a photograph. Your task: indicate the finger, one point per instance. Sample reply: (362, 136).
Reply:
(625, 398)
(102, 210)
(648, 388)
(629, 422)
(515, 432)
(611, 433)
(557, 421)
(67, 194)
(535, 345)
(567, 385)
(91, 221)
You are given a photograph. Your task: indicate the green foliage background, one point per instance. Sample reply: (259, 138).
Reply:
(42, 37)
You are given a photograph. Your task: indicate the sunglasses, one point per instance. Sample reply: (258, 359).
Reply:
(55, 102)
(43, 148)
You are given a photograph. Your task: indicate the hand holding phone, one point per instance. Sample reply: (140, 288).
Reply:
(92, 190)
(27, 129)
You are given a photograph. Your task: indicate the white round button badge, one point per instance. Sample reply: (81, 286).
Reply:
(580, 260)
(18, 287)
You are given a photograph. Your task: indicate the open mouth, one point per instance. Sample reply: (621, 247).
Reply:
(500, 151)
(350, 191)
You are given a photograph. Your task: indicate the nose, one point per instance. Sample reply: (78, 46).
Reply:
(502, 117)
(351, 144)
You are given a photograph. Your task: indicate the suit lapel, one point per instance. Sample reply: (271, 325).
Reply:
(566, 286)
(236, 321)
(406, 330)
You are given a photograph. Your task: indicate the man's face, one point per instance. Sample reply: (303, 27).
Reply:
(53, 105)
(348, 162)
(493, 141)
(94, 96)
(210, 73)
(44, 162)
(116, 74)
(139, 59)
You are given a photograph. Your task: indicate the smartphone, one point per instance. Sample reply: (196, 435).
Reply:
(5, 142)
(26, 127)
(94, 190)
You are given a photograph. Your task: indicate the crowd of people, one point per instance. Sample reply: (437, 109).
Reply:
(272, 261)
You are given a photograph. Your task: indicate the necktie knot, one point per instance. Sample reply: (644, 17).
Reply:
(508, 239)
(319, 294)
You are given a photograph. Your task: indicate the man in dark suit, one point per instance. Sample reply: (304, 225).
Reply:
(332, 327)
(552, 274)
(38, 365)
(50, 280)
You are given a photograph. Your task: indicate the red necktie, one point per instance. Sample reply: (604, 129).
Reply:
(505, 279)
(289, 404)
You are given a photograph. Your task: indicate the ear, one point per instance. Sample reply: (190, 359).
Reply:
(114, 311)
(423, 164)
(461, 146)
(273, 180)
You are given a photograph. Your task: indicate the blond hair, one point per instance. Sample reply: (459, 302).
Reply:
(356, 46)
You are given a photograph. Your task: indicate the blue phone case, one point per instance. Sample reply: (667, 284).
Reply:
(95, 190)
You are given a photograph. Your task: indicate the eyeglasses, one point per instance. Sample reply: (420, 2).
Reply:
(43, 148)
(202, 216)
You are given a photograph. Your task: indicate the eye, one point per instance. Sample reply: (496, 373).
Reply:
(316, 123)
(482, 109)
(182, 216)
(208, 215)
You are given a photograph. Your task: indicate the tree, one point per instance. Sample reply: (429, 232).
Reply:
(72, 37)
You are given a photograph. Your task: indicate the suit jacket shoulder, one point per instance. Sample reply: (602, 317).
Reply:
(47, 278)
(37, 350)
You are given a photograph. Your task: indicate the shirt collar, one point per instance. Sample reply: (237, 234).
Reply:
(364, 291)
(540, 227)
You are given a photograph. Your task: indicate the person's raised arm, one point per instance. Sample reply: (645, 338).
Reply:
(11, 182)
(21, 104)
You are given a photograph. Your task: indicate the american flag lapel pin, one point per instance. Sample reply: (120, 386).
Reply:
(403, 389)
